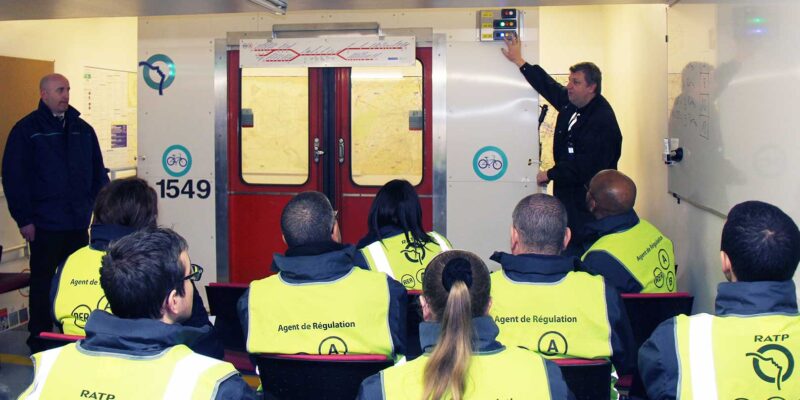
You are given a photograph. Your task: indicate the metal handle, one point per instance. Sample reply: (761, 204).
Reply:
(317, 151)
(341, 151)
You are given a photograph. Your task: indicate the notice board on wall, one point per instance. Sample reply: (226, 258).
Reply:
(21, 77)
(111, 109)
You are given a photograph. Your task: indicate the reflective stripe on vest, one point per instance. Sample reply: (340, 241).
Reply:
(176, 373)
(645, 252)
(79, 292)
(402, 261)
(738, 357)
(508, 374)
(568, 318)
(348, 315)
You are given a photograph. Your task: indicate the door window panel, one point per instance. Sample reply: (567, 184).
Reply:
(275, 149)
(386, 124)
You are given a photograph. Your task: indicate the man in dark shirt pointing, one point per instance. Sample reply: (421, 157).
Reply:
(587, 137)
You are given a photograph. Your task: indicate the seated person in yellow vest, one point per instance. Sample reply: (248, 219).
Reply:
(463, 359)
(396, 242)
(542, 304)
(122, 207)
(139, 352)
(319, 302)
(629, 252)
(751, 348)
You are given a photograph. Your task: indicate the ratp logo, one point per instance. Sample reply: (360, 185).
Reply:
(773, 363)
(162, 67)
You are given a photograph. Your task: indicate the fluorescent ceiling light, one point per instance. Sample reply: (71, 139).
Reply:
(274, 6)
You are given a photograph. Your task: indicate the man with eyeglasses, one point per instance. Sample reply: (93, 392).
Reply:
(140, 351)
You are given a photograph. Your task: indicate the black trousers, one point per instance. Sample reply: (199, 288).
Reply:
(48, 250)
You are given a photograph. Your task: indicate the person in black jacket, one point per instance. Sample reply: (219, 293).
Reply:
(587, 138)
(52, 172)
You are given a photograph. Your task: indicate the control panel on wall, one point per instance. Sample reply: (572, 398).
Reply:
(498, 24)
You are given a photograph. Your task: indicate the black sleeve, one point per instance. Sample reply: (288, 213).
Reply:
(17, 166)
(542, 82)
(398, 309)
(658, 362)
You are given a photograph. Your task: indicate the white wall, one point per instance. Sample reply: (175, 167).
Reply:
(73, 44)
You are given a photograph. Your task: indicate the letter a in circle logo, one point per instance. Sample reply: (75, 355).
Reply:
(552, 343)
(332, 345)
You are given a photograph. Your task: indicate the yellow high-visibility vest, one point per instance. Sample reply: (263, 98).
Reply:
(79, 292)
(646, 253)
(70, 372)
(405, 262)
(505, 374)
(738, 357)
(346, 316)
(563, 319)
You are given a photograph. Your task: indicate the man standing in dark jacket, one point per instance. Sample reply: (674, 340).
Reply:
(52, 172)
(587, 138)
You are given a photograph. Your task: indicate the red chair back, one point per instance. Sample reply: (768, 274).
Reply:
(51, 340)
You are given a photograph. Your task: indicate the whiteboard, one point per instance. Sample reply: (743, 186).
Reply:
(734, 87)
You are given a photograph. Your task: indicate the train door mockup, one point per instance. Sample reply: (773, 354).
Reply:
(342, 131)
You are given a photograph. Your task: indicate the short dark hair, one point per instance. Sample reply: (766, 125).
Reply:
(307, 218)
(762, 242)
(140, 270)
(591, 73)
(541, 221)
(128, 202)
(397, 204)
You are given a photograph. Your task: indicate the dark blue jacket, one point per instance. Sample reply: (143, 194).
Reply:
(51, 175)
(148, 337)
(327, 262)
(485, 342)
(543, 268)
(100, 237)
(603, 263)
(595, 139)
(658, 359)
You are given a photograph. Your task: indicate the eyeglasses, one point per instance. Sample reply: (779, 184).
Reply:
(335, 214)
(196, 274)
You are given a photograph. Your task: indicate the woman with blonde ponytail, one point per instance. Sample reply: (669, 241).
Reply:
(462, 359)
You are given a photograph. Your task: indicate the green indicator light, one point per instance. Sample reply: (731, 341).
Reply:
(756, 20)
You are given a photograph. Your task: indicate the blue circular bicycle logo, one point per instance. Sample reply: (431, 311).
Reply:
(177, 161)
(164, 69)
(490, 163)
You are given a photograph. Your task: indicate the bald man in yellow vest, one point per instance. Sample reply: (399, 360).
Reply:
(629, 252)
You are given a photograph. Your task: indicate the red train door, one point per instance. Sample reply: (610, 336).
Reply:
(341, 131)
